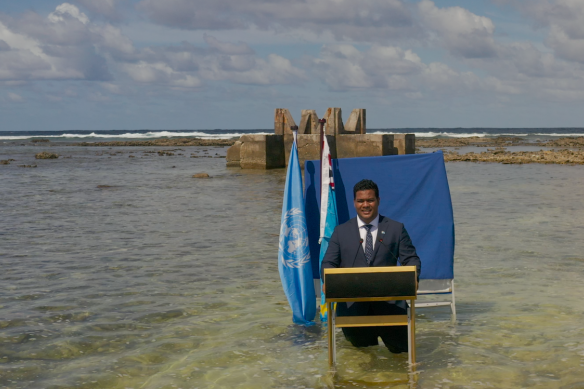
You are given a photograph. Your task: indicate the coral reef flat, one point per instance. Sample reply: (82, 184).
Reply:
(565, 150)
(123, 272)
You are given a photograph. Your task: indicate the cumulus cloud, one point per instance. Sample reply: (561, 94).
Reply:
(565, 19)
(160, 73)
(66, 44)
(254, 71)
(67, 11)
(345, 67)
(60, 46)
(106, 8)
(186, 65)
(226, 47)
(364, 20)
(399, 72)
(519, 68)
(459, 30)
(74, 43)
(15, 98)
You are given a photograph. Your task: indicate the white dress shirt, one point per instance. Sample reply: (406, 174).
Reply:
(363, 230)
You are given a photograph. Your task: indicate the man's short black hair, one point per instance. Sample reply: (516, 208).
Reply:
(365, 185)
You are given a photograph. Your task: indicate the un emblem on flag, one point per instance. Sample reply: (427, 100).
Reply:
(293, 247)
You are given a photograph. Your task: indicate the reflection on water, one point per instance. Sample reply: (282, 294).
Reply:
(159, 280)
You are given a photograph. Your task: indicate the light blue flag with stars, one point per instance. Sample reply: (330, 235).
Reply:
(293, 252)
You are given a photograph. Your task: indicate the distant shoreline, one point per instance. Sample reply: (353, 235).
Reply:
(575, 156)
(500, 141)
(565, 150)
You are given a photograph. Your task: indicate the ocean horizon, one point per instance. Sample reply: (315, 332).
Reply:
(88, 135)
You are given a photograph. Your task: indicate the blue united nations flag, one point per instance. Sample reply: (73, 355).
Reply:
(293, 252)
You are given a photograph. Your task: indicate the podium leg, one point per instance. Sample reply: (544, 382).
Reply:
(331, 335)
(334, 315)
(412, 332)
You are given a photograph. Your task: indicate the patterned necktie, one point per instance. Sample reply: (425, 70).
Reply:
(369, 245)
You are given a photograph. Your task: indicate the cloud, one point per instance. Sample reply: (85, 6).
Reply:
(397, 71)
(77, 42)
(365, 20)
(106, 8)
(160, 73)
(67, 44)
(344, 67)
(186, 65)
(460, 31)
(112, 88)
(251, 70)
(518, 69)
(15, 98)
(226, 47)
(67, 11)
(61, 46)
(565, 19)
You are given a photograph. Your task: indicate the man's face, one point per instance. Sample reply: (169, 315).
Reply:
(366, 205)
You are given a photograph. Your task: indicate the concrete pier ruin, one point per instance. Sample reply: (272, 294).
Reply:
(347, 140)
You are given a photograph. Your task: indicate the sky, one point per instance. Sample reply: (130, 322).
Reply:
(227, 64)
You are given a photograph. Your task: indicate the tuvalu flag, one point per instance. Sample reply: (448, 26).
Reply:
(328, 213)
(293, 252)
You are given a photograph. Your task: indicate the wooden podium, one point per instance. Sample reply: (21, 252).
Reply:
(371, 284)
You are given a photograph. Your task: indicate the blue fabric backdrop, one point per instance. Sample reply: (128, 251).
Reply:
(413, 190)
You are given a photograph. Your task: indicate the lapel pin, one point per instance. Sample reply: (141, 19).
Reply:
(380, 240)
(382, 232)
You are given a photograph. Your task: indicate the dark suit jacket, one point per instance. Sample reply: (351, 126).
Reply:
(346, 250)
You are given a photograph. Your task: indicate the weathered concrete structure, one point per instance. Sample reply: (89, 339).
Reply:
(309, 122)
(345, 141)
(356, 122)
(234, 155)
(261, 151)
(308, 147)
(283, 122)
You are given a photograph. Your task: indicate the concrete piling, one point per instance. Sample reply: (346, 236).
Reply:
(356, 122)
(262, 151)
(283, 122)
(345, 141)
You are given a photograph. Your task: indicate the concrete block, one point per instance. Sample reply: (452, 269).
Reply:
(308, 147)
(365, 145)
(262, 151)
(283, 121)
(405, 143)
(234, 155)
(309, 122)
(356, 124)
(334, 121)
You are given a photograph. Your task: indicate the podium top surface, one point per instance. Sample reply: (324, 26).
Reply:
(371, 283)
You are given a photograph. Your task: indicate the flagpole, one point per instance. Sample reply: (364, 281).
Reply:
(321, 122)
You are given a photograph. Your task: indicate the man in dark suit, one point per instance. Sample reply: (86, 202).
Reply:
(371, 240)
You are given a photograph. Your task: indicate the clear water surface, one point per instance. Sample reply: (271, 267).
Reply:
(121, 272)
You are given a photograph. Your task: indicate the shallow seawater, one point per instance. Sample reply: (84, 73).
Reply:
(122, 272)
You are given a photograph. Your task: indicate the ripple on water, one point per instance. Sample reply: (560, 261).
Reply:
(170, 282)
